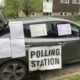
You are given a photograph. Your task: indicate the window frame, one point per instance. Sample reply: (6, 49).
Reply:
(65, 22)
(47, 0)
(65, 1)
(49, 29)
(77, 27)
(63, 13)
(34, 24)
(75, 2)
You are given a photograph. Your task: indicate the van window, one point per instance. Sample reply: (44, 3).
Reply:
(75, 30)
(54, 30)
(37, 30)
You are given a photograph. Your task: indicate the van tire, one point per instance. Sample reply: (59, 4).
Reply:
(13, 70)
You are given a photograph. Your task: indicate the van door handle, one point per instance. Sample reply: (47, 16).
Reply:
(62, 43)
(28, 45)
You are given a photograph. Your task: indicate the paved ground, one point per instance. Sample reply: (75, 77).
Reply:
(59, 74)
(67, 70)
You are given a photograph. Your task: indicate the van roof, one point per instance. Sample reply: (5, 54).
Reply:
(43, 20)
(40, 19)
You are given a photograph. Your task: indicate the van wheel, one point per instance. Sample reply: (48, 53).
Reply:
(13, 70)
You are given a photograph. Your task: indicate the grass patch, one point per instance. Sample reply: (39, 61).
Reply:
(76, 77)
(77, 17)
(78, 22)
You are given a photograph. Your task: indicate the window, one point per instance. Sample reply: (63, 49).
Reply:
(47, 0)
(52, 30)
(72, 13)
(63, 13)
(35, 30)
(27, 31)
(64, 1)
(53, 33)
(76, 1)
(33, 14)
(75, 30)
(5, 33)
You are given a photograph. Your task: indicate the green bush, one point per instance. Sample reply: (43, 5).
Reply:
(77, 17)
(13, 7)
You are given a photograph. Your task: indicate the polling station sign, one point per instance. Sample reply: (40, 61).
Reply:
(45, 58)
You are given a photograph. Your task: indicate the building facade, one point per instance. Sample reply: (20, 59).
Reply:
(66, 7)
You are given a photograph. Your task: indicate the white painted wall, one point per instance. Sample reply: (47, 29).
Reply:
(1, 2)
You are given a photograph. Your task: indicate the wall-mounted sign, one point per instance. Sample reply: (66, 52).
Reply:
(48, 6)
(45, 58)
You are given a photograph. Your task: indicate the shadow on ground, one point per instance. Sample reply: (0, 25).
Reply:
(32, 76)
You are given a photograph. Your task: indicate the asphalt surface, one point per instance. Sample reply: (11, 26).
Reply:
(54, 74)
